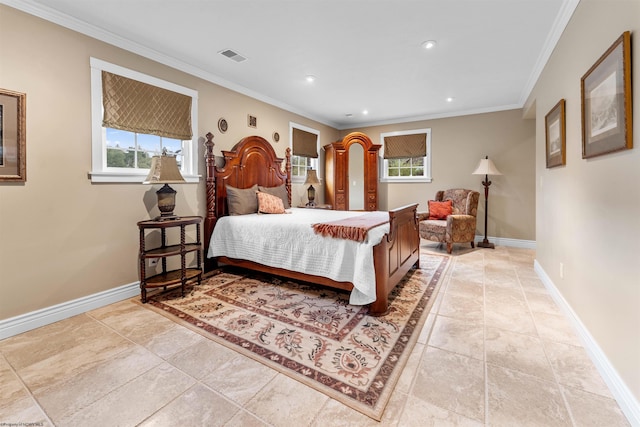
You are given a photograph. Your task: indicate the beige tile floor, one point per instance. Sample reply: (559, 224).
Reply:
(495, 350)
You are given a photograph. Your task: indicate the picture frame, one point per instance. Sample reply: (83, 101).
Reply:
(252, 121)
(13, 164)
(223, 126)
(606, 101)
(556, 135)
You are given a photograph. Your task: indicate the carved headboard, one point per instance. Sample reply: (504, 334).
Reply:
(251, 161)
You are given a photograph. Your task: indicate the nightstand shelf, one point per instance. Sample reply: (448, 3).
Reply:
(179, 276)
(169, 278)
(172, 250)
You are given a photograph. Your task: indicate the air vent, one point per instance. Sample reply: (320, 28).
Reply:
(233, 55)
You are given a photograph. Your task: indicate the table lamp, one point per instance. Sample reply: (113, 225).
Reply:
(312, 178)
(164, 170)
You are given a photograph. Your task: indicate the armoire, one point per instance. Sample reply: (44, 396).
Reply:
(351, 173)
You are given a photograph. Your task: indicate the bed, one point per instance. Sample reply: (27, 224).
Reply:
(393, 247)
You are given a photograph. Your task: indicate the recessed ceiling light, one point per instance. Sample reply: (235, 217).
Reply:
(450, 99)
(310, 78)
(429, 44)
(365, 112)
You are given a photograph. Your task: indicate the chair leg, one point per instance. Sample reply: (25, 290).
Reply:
(449, 247)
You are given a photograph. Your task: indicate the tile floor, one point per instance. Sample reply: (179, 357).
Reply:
(495, 350)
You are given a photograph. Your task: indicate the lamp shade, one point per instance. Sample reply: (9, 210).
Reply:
(312, 177)
(486, 167)
(164, 170)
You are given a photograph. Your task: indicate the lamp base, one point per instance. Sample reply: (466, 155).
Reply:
(485, 244)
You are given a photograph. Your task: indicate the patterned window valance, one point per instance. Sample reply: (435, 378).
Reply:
(403, 146)
(143, 108)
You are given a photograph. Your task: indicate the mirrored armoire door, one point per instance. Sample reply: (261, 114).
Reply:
(351, 173)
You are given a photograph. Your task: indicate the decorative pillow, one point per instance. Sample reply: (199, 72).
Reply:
(269, 204)
(242, 201)
(440, 210)
(280, 191)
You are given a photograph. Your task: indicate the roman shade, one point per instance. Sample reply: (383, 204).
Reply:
(305, 143)
(404, 146)
(143, 108)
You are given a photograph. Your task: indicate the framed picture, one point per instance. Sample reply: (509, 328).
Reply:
(13, 164)
(606, 101)
(252, 121)
(223, 125)
(554, 123)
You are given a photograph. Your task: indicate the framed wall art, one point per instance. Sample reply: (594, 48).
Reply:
(554, 123)
(13, 152)
(252, 121)
(606, 101)
(223, 125)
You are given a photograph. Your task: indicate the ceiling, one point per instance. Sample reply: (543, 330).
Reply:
(365, 54)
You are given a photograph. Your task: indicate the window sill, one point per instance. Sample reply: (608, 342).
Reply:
(133, 178)
(404, 180)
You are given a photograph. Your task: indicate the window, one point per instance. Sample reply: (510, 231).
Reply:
(304, 147)
(124, 155)
(406, 156)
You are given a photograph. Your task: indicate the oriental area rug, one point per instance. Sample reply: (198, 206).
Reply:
(310, 332)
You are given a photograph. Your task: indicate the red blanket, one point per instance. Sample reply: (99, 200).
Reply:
(354, 228)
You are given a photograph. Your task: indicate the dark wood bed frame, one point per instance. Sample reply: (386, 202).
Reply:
(253, 161)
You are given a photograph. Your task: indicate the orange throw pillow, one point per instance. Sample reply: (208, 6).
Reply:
(440, 210)
(270, 204)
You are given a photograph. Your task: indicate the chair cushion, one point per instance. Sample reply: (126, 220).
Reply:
(434, 230)
(440, 210)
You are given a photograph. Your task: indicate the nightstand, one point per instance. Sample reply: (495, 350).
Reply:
(178, 276)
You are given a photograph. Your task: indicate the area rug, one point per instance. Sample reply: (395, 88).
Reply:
(310, 332)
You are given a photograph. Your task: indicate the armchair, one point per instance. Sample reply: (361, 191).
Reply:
(460, 226)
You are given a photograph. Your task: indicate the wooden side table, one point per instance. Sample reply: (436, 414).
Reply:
(174, 277)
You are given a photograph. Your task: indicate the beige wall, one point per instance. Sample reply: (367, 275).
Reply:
(62, 237)
(587, 211)
(457, 145)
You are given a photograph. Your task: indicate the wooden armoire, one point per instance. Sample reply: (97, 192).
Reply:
(338, 180)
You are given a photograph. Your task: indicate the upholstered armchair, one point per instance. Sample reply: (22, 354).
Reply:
(457, 227)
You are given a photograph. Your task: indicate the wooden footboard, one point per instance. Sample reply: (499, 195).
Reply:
(395, 255)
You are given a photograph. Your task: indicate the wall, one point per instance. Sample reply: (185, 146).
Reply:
(62, 237)
(587, 211)
(457, 145)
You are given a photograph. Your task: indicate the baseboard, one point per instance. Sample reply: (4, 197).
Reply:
(35, 319)
(625, 398)
(513, 243)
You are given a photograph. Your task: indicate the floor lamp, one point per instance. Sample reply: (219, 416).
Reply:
(486, 168)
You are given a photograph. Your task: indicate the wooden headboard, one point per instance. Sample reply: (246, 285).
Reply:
(251, 161)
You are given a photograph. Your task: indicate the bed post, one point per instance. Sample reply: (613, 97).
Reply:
(210, 219)
(287, 169)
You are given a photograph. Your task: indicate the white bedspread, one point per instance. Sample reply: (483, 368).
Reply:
(288, 241)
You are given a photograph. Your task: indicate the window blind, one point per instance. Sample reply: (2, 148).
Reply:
(305, 143)
(143, 108)
(403, 146)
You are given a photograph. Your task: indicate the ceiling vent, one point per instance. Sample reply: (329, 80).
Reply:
(232, 55)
